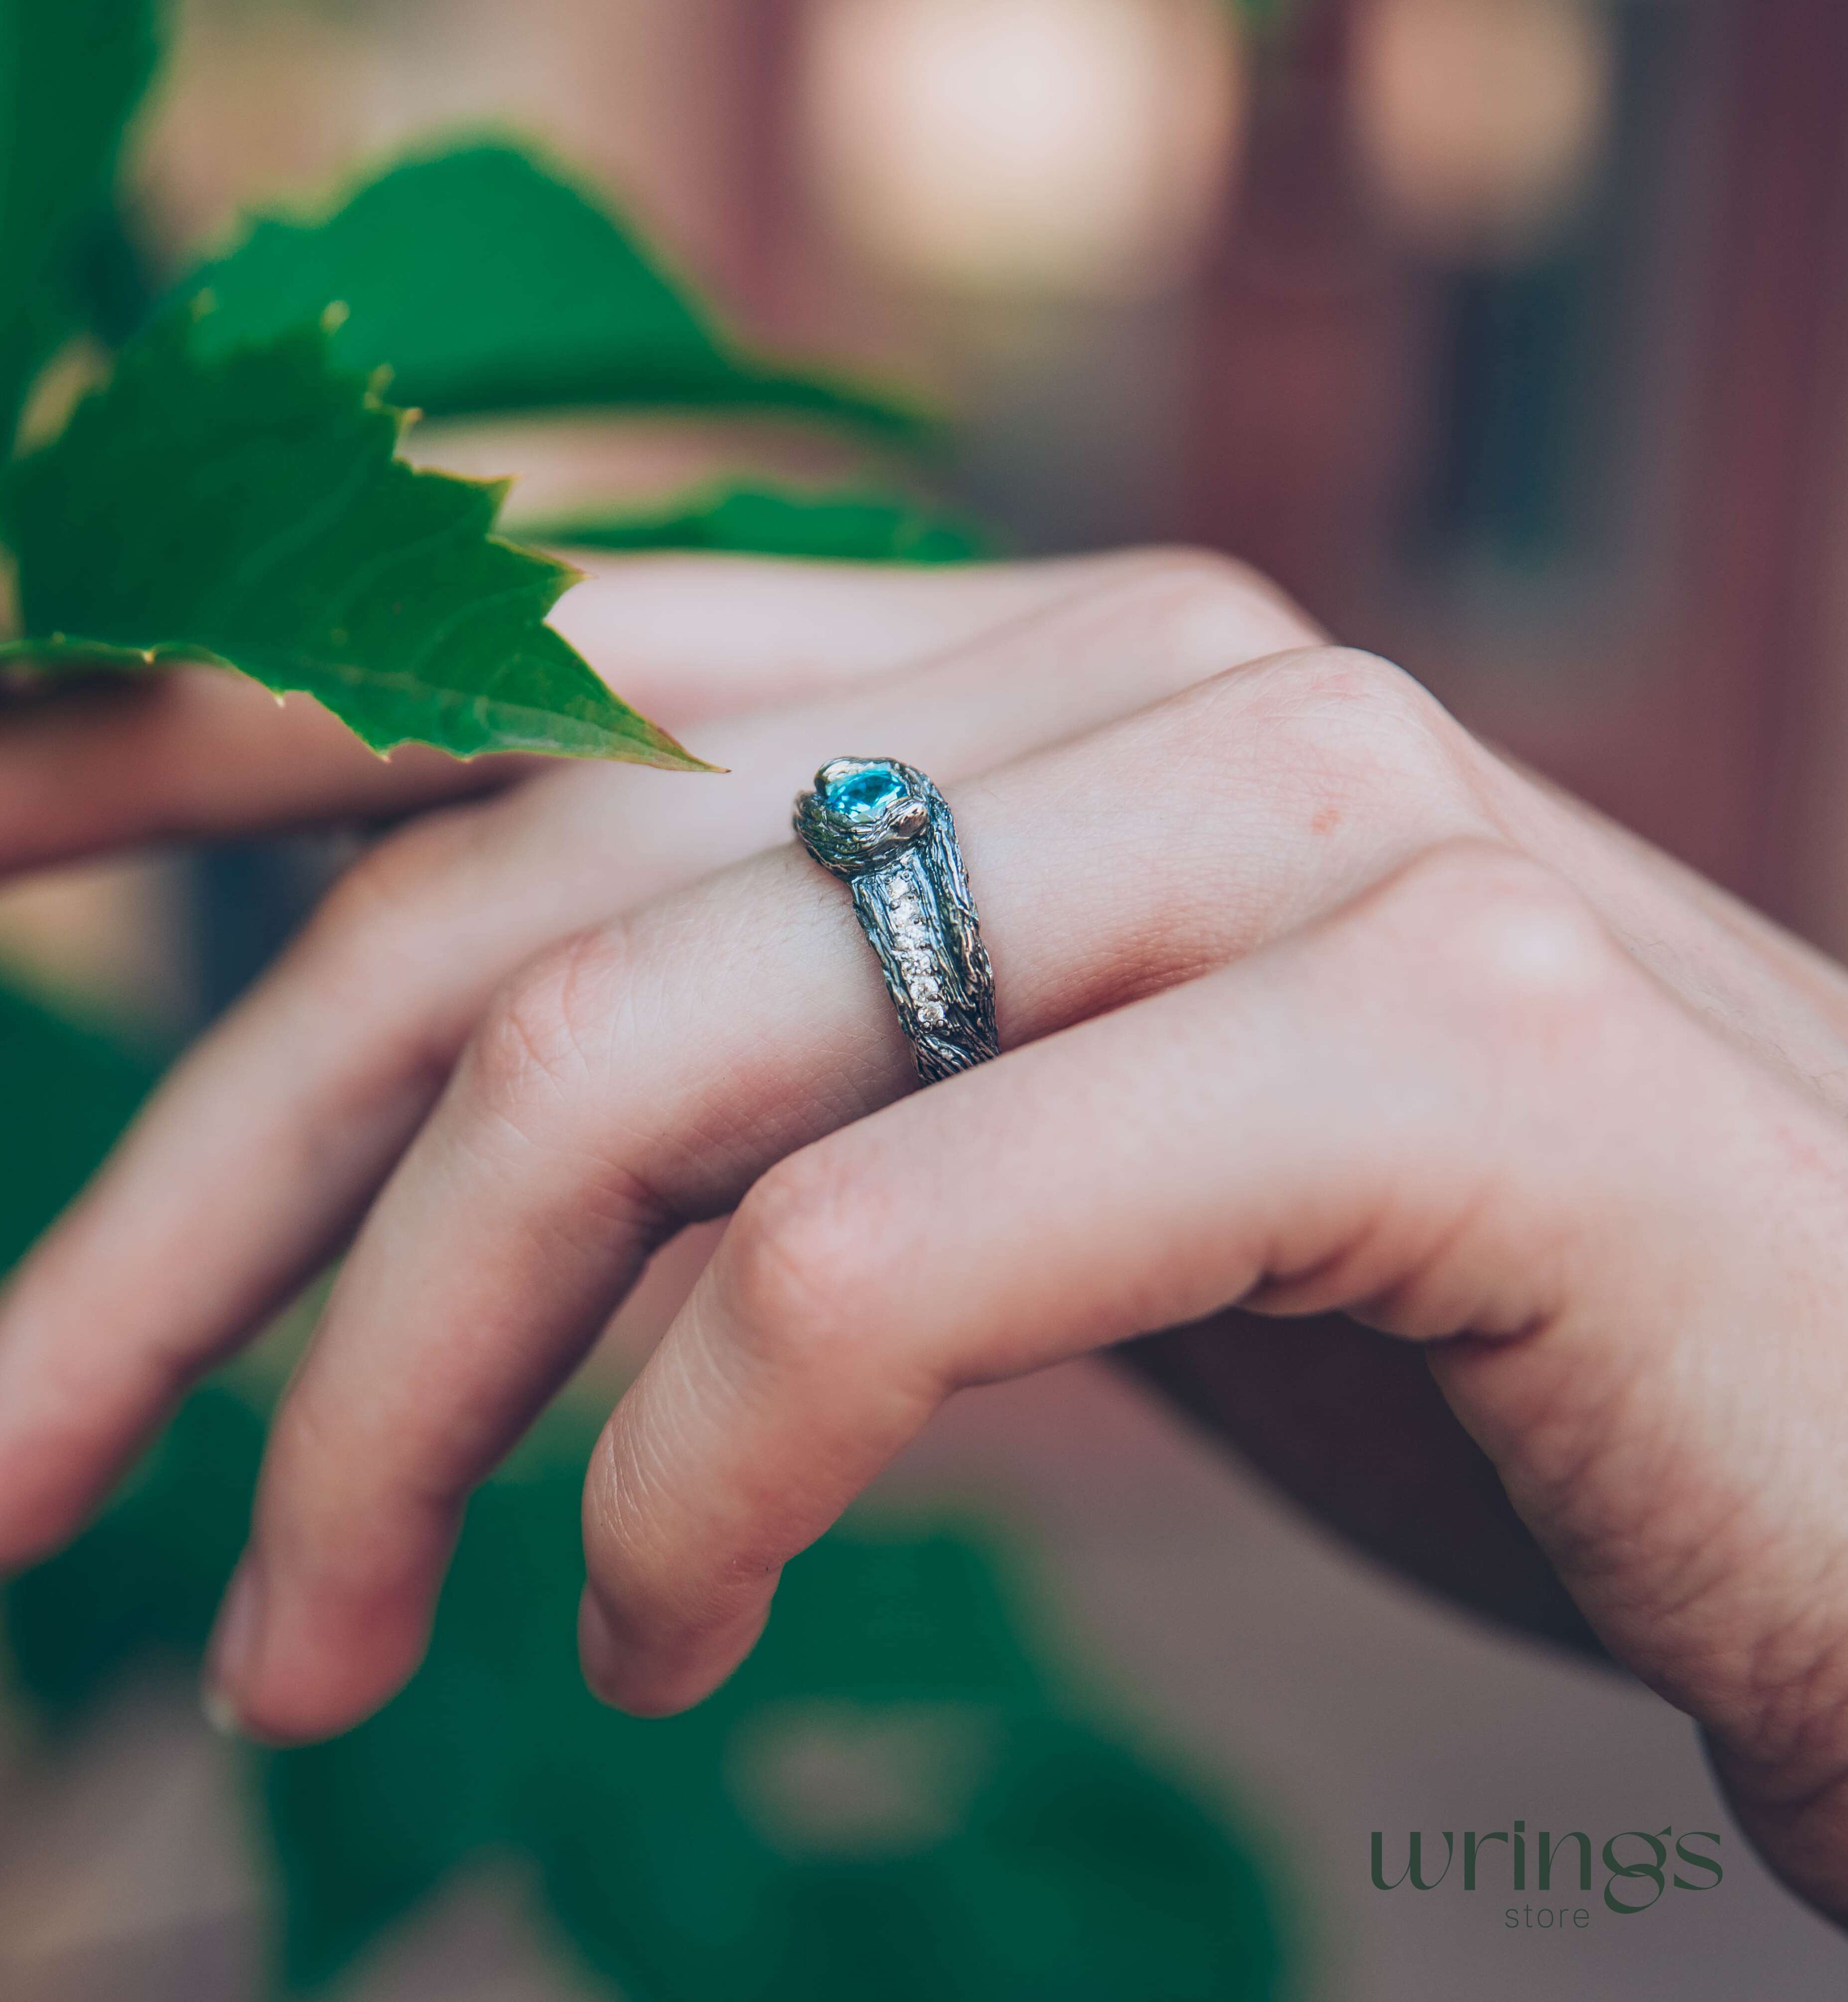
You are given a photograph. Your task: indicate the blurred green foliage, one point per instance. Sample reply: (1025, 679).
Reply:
(71, 72)
(893, 1798)
(66, 1092)
(889, 1799)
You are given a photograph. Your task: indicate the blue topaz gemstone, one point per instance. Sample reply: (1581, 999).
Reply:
(866, 794)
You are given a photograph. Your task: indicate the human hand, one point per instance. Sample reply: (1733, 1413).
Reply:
(249, 1170)
(1309, 1003)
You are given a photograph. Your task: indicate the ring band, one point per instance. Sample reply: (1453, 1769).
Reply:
(886, 831)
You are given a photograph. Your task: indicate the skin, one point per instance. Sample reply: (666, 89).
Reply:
(1490, 1165)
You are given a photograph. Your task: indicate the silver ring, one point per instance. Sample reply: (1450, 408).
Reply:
(884, 829)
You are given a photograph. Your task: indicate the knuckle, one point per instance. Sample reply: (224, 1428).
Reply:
(1192, 575)
(1357, 732)
(1348, 695)
(802, 1257)
(1514, 936)
(1203, 608)
(540, 1038)
(1351, 679)
(535, 1086)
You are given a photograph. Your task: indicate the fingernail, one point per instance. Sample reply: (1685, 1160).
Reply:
(600, 1652)
(236, 1644)
(659, 1677)
(618, 1671)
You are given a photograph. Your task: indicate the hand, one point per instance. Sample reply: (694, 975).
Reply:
(1309, 1001)
(247, 1173)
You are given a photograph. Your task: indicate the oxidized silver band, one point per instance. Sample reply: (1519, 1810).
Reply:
(883, 828)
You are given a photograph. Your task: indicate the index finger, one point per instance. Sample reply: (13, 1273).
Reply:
(194, 753)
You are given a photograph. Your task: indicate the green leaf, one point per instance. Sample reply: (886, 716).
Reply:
(249, 510)
(71, 73)
(849, 526)
(487, 283)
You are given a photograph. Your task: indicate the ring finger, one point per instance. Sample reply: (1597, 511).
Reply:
(246, 1172)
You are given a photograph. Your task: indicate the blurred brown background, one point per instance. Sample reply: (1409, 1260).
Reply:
(1509, 334)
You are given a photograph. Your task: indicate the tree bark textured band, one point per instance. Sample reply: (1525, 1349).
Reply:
(885, 830)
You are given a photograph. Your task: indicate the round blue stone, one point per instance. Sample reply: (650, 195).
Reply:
(866, 794)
